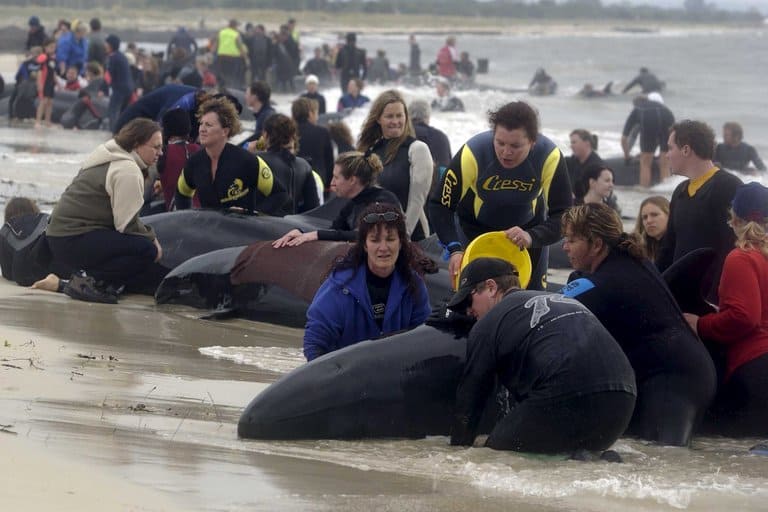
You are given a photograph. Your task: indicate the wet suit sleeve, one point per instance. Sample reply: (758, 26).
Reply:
(755, 158)
(631, 84)
(185, 190)
(309, 193)
(324, 322)
(475, 386)
(448, 191)
(740, 303)
(556, 191)
(340, 230)
(275, 196)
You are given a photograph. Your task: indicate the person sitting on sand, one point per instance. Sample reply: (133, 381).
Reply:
(354, 178)
(651, 225)
(571, 385)
(740, 326)
(375, 290)
(95, 233)
(675, 375)
(24, 255)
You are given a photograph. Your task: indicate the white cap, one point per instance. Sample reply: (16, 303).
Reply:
(311, 79)
(655, 96)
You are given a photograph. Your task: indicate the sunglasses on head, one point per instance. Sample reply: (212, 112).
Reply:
(373, 218)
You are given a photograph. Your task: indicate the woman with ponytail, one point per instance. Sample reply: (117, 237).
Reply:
(741, 324)
(674, 372)
(354, 178)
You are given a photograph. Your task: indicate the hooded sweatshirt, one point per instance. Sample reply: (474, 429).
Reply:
(107, 193)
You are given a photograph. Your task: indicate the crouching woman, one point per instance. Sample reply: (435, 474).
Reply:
(95, 232)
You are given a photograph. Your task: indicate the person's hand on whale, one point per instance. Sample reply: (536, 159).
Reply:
(294, 238)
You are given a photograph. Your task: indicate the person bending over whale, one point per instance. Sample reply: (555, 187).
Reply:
(224, 175)
(676, 377)
(354, 178)
(510, 178)
(572, 386)
(741, 324)
(375, 290)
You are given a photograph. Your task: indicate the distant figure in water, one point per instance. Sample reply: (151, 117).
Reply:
(445, 101)
(589, 91)
(647, 81)
(542, 84)
(735, 154)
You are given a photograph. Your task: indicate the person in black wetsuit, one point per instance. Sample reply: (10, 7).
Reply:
(570, 385)
(295, 174)
(647, 81)
(354, 177)
(676, 378)
(435, 139)
(510, 178)
(733, 153)
(388, 132)
(224, 175)
(654, 120)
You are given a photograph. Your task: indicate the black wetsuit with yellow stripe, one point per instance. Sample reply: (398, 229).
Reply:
(242, 180)
(487, 197)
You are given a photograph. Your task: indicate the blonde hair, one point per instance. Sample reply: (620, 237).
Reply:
(751, 234)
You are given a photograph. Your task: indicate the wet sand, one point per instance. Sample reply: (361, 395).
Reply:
(113, 408)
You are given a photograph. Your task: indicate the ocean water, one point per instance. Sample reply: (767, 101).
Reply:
(714, 76)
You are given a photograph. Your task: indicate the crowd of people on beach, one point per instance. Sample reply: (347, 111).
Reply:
(618, 349)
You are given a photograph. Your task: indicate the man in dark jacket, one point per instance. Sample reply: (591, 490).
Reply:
(120, 80)
(257, 98)
(351, 62)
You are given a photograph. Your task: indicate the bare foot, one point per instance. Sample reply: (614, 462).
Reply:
(50, 283)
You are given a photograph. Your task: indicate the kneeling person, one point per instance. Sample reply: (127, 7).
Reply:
(570, 384)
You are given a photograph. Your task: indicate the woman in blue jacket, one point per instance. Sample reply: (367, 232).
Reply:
(375, 290)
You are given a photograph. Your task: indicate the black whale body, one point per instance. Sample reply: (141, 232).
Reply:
(401, 386)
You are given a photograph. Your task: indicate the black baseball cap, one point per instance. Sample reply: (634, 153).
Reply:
(477, 272)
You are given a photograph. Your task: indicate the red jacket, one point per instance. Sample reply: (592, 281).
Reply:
(742, 322)
(174, 160)
(446, 65)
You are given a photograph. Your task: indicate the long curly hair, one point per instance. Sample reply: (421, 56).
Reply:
(410, 259)
(370, 133)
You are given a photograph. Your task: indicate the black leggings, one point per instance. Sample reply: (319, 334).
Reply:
(109, 256)
(669, 407)
(741, 407)
(592, 421)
